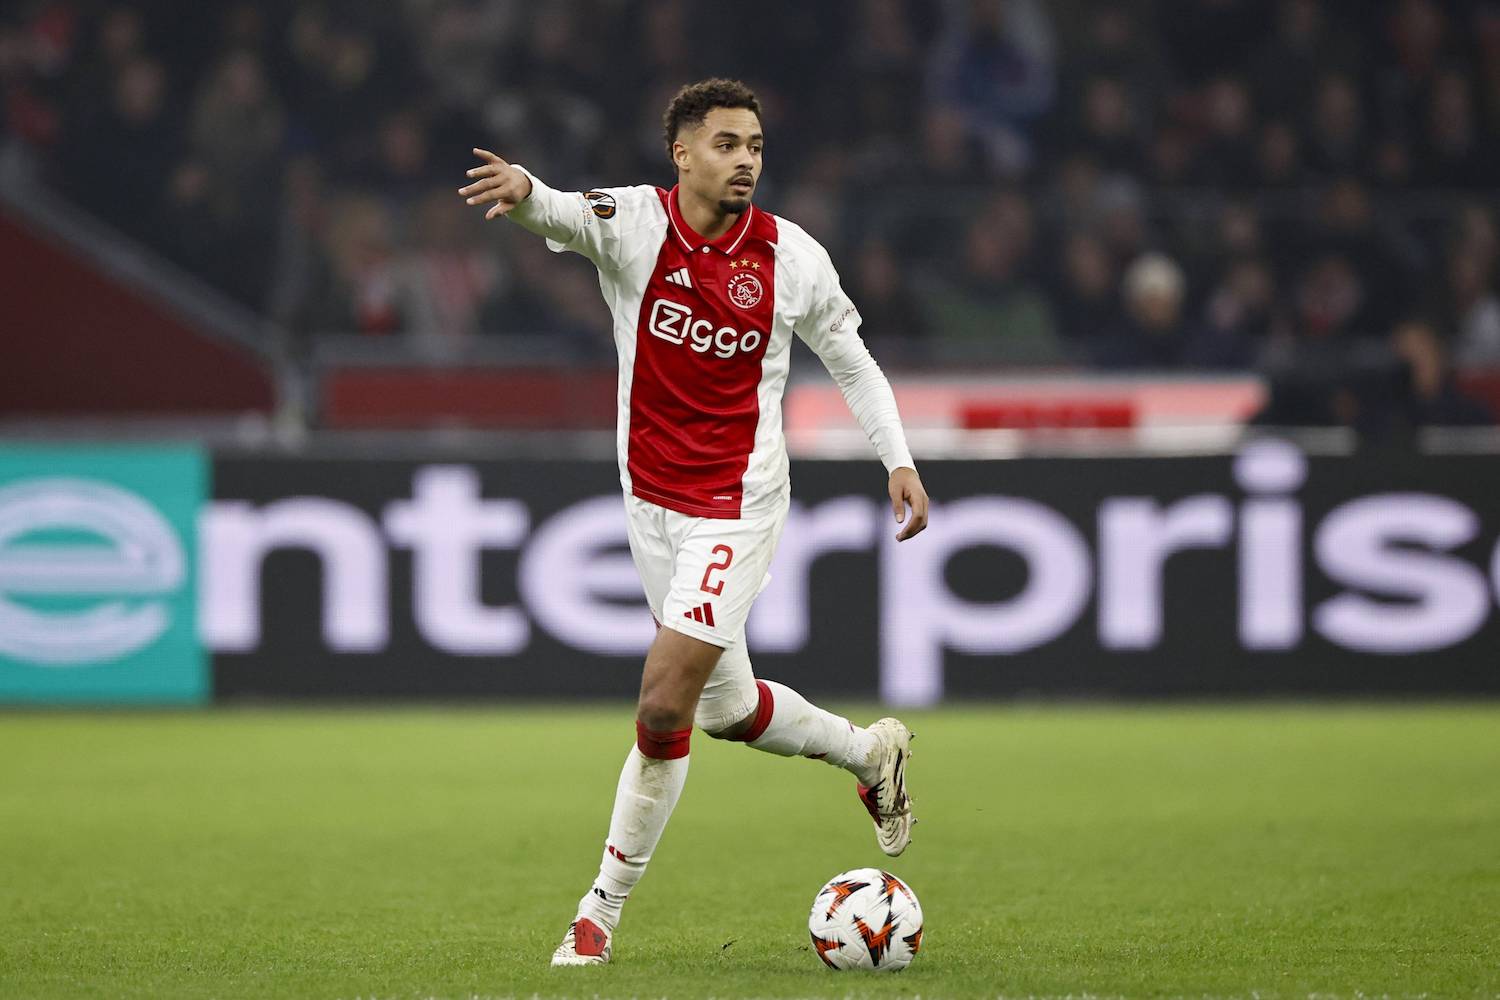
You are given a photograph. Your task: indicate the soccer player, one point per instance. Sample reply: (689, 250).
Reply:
(706, 291)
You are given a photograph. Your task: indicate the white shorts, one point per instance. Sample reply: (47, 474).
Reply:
(701, 576)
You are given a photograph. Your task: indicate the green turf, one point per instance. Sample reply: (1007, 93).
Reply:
(1270, 851)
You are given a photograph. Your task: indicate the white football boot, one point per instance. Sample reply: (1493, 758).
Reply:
(586, 943)
(886, 800)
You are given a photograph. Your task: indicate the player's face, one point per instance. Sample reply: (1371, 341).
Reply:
(720, 160)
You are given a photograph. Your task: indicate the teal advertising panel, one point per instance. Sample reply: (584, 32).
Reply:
(98, 575)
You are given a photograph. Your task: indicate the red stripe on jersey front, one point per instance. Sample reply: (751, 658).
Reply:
(700, 340)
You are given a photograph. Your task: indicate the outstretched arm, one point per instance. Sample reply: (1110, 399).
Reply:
(570, 220)
(496, 183)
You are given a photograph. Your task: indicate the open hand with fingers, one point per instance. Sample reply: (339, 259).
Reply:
(495, 181)
(906, 491)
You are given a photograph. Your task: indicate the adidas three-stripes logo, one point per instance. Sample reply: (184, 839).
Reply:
(680, 277)
(703, 614)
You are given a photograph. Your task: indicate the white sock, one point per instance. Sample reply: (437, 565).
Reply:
(644, 799)
(798, 728)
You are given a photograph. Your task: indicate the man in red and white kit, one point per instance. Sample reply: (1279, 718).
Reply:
(706, 292)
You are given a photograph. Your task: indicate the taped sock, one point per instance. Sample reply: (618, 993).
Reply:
(788, 725)
(647, 793)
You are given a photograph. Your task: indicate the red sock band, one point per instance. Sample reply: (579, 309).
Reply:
(763, 712)
(668, 745)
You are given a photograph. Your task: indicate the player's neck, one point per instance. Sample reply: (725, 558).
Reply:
(704, 216)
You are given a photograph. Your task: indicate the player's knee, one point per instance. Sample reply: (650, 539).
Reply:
(663, 714)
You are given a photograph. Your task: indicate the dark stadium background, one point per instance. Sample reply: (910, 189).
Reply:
(1120, 240)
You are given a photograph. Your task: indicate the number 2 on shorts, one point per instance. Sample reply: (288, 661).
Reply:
(728, 557)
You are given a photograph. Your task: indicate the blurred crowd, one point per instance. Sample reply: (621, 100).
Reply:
(1295, 186)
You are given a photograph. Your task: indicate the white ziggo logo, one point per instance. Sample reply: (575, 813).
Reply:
(674, 323)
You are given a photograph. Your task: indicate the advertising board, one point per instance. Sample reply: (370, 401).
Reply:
(1262, 573)
(98, 575)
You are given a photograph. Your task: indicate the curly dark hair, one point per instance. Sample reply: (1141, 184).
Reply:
(693, 103)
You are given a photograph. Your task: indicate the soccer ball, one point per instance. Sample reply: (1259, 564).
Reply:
(866, 919)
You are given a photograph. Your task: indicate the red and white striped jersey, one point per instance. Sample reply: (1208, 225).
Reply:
(704, 331)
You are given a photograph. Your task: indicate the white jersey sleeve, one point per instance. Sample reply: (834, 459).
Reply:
(829, 324)
(598, 224)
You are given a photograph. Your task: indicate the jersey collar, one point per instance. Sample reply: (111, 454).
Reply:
(727, 244)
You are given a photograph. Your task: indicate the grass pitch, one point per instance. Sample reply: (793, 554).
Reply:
(1268, 851)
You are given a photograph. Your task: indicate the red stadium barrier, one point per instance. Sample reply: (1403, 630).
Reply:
(79, 341)
(535, 399)
(1070, 413)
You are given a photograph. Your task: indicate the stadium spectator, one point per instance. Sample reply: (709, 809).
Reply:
(1307, 38)
(1278, 158)
(1454, 152)
(225, 193)
(1473, 306)
(300, 263)
(1206, 38)
(894, 323)
(1085, 287)
(1417, 38)
(1109, 126)
(399, 168)
(1331, 300)
(459, 46)
(946, 159)
(1430, 398)
(1334, 135)
(344, 75)
(1485, 30)
(1337, 158)
(1239, 317)
(133, 128)
(1382, 256)
(360, 291)
(1227, 157)
(1152, 333)
(1113, 43)
(1240, 230)
(446, 276)
(1121, 212)
(994, 62)
(991, 308)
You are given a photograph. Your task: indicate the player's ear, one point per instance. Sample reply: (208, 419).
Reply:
(679, 154)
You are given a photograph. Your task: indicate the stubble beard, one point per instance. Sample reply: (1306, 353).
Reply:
(733, 206)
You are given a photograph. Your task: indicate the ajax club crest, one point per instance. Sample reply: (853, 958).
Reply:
(745, 290)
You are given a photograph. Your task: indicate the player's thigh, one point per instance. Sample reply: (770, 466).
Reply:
(651, 549)
(720, 567)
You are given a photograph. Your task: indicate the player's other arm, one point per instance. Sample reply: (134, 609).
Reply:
(568, 219)
(831, 328)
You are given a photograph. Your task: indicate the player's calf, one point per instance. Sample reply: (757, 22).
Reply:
(788, 725)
